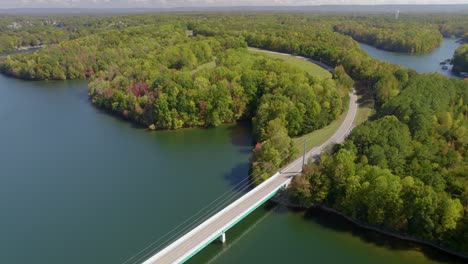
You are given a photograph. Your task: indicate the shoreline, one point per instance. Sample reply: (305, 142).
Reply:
(282, 198)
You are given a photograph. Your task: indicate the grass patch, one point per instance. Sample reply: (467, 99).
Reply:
(302, 63)
(365, 109)
(362, 115)
(208, 65)
(318, 137)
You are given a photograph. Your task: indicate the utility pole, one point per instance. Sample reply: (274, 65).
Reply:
(304, 153)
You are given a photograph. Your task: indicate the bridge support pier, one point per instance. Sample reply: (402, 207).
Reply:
(222, 238)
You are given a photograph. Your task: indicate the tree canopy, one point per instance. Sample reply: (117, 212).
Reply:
(460, 59)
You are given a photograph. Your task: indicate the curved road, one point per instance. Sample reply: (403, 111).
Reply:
(193, 241)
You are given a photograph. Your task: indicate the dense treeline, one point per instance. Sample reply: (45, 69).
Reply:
(451, 26)
(279, 33)
(460, 59)
(409, 33)
(83, 57)
(239, 80)
(416, 38)
(35, 37)
(406, 171)
(29, 31)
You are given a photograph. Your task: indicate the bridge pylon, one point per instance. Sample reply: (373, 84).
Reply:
(222, 238)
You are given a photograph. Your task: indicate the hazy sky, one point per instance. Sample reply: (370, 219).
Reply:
(187, 3)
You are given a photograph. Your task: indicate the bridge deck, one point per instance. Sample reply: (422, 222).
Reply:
(193, 241)
(209, 232)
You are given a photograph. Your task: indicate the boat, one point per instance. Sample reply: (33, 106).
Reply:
(445, 67)
(443, 63)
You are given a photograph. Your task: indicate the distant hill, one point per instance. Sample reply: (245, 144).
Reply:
(312, 9)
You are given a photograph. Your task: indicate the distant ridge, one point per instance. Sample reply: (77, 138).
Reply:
(448, 8)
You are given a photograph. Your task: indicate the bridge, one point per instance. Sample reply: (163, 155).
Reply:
(216, 226)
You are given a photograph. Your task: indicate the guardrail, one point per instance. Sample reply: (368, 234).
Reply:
(221, 230)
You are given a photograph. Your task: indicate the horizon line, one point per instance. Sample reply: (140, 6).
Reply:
(230, 6)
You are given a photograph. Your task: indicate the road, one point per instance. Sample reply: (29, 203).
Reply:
(338, 137)
(205, 233)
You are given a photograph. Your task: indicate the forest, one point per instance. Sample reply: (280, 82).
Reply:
(410, 33)
(30, 31)
(460, 59)
(401, 37)
(321, 43)
(405, 170)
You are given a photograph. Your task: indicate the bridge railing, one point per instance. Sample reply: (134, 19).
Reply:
(219, 231)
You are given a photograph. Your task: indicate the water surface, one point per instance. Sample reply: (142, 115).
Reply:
(423, 63)
(80, 186)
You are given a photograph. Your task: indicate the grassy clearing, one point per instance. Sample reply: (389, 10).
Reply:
(208, 65)
(305, 65)
(362, 115)
(318, 137)
(365, 110)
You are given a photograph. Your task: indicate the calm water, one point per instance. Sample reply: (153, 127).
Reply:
(424, 63)
(80, 186)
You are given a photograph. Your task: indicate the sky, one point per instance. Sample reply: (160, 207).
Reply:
(203, 3)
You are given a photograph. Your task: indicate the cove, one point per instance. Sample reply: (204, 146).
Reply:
(422, 63)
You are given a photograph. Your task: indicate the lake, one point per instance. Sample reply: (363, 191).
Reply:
(423, 63)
